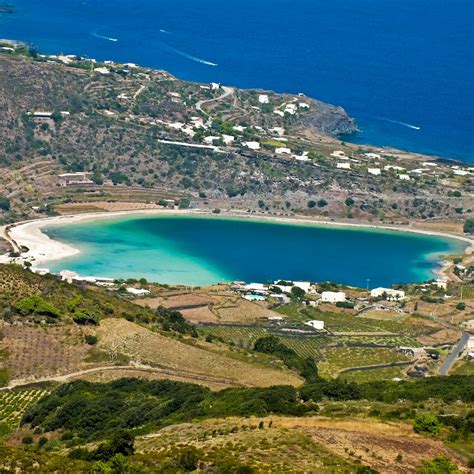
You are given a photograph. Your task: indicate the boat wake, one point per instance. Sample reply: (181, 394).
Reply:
(108, 38)
(166, 32)
(403, 124)
(191, 57)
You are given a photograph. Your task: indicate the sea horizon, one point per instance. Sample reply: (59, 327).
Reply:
(404, 93)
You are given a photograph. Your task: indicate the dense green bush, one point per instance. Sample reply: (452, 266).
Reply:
(427, 423)
(36, 304)
(469, 226)
(4, 203)
(272, 345)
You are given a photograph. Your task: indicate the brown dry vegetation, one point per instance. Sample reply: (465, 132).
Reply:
(37, 352)
(375, 444)
(305, 444)
(150, 348)
(216, 304)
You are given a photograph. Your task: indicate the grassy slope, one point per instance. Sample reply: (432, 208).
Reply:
(34, 351)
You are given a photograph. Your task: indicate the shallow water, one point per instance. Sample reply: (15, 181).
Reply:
(200, 250)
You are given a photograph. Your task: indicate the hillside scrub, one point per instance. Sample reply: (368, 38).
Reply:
(92, 411)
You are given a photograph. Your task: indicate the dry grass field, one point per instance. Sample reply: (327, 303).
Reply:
(146, 347)
(314, 444)
(37, 352)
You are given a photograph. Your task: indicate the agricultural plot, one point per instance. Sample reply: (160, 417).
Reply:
(463, 367)
(13, 403)
(245, 338)
(348, 323)
(339, 358)
(361, 376)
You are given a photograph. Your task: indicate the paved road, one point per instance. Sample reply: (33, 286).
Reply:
(227, 92)
(444, 369)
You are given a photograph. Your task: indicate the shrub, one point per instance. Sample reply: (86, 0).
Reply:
(90, 339)
(438, 465)
(36, 304)
(469, 226)
(187, 460)
(427, 423)
(461, 306)
(4, 203)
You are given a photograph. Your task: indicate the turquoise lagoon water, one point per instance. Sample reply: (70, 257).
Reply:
(203, 250)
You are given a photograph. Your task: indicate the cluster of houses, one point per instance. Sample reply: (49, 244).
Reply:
(427, 168)
(281, 292)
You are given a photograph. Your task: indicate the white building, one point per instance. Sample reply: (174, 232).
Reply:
(303, 105)
(374, 156)
(315, 324)
(338, 154)
(392, 167)
(290, 109)
(374, 171)
(138, 291)
(252, 145)
(333, 296)
(210, 140)
(102, 70)
(470, 345)
(228, 139)
(387, 293)
(255, 288)
(282, 151)
(280, 131)
(263, 98)
(404, 177)
(441, 283)
(344, 166)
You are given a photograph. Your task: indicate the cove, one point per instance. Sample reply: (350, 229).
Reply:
(192, 250)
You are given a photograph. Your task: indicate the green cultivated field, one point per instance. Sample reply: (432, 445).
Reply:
(362, 376)
(13, 403)
(336, 359)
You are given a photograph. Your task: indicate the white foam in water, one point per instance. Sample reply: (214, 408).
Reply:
(191, 57)
(404, 124)
(108, 38)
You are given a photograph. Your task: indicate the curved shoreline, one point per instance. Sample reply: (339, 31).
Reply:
(41, 248)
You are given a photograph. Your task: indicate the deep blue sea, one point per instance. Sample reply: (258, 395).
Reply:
(200, 251)
(403, 68)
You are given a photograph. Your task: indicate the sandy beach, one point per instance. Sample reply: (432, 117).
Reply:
(41, 248)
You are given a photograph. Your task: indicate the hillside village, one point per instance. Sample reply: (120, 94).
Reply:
(166, 142)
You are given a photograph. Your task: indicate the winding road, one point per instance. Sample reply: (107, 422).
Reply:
(227, 92)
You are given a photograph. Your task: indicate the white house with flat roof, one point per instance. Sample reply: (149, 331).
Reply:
(333, 296)
(387, 293)
(374, 171)
(263, 98)
(315, 324)
(252, 145)
(344, 166)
